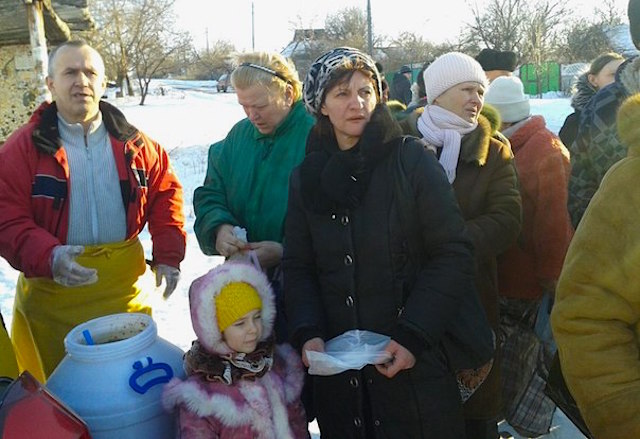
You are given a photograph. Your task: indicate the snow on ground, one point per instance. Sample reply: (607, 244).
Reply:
(186, 120)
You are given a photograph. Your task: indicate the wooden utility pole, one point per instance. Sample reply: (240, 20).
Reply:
(38, 42)
(369, 30)
(253, 36)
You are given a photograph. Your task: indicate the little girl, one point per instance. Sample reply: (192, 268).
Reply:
(239, 383)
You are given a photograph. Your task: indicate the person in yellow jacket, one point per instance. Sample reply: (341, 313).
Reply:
(596, 317)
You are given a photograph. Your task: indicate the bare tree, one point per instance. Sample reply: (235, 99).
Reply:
(414, 49)
(542, 34)
(211, 63)
(138, 36)
(609, 14)
(582, 42)
(348, 27)
(498, 25)
(111, 38)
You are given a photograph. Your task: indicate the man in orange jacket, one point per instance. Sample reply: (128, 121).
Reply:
(78, 183)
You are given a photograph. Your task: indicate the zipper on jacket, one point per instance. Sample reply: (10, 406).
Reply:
(58, 204)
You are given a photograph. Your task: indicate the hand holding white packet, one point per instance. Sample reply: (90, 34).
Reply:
(352, 350)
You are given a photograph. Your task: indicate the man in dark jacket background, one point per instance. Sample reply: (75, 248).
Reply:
(401, 86)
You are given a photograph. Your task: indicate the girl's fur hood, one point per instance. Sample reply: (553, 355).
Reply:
(202, 303)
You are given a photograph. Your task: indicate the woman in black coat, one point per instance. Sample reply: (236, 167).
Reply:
(348, 262)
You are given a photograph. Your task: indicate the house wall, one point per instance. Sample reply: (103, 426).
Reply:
(18, 88)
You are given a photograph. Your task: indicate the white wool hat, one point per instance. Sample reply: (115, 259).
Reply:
(506, 94)
(452, 69)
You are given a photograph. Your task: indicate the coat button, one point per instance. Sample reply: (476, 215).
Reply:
(349, 301)
(354, 382)
(370, 381)
(344, 220)
(348, 260)
(333, 216)
(376, 423)
(357, 422)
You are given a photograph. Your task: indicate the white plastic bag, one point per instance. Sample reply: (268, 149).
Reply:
(352, 350)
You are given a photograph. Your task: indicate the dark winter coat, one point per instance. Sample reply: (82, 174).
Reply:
(584, 91)
(344, 268)
(597, 145)
(487, 192)
(400, 89)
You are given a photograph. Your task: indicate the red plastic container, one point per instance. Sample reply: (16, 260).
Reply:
(28, 410)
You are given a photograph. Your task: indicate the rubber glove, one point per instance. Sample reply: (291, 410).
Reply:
(171, 277)
(66, 271)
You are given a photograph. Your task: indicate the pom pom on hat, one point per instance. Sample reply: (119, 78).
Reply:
(234, 301)
(506, 94)
(451, 69)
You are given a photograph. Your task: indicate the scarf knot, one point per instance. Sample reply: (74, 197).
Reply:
(232, 367)
(444, 130)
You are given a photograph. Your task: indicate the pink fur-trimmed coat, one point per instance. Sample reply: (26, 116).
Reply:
(266, 408)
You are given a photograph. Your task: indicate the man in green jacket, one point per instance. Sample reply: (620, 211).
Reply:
(247, 180)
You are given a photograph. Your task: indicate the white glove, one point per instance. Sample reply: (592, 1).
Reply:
(171, 277)
(66, 271)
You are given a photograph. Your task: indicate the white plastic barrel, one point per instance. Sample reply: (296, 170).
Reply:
(113, 375)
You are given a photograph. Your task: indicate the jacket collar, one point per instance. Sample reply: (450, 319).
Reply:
(46, 136)
(528, 128)
(295, 114)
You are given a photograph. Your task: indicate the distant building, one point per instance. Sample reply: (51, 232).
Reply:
(27, 29)
(306, 46)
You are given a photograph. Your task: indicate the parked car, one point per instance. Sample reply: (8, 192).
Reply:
(224, 83)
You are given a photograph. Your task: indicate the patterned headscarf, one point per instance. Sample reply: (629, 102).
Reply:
(324, 66)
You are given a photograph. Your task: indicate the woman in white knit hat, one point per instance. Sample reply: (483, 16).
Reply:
(483, 175)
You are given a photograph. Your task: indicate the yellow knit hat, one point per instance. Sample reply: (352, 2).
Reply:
(235, 300)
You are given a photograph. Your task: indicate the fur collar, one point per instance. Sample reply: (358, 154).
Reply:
(261, 404)
(584, 91)
(629, 75)
(475, 145)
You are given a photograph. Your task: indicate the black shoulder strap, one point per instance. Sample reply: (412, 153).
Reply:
(406, 202)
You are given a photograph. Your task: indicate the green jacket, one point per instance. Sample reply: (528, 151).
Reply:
(247, 181)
